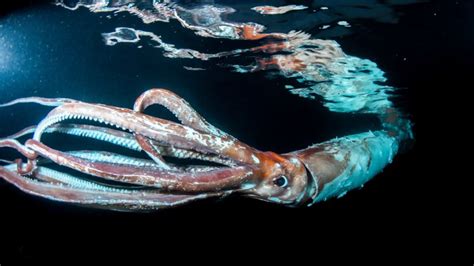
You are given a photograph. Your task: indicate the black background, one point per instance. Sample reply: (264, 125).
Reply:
(396, 214)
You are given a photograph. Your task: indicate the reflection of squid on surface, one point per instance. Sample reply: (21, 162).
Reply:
(302, 53)
(297, 178)
(277, 10)
(205, 20)
(230, 30)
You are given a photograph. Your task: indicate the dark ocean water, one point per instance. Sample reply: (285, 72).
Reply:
(47, 50)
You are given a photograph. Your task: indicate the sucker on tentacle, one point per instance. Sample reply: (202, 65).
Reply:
(302, 177)
(169, 180)
(114, 200)
(119, 138)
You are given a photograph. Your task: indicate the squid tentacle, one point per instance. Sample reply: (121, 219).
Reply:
(23, 132)
(179, 107)
(154, 128)
(168, 180)
(14, 144)
(167, 150)
(194, 139)
(110, 135)
(119, 138)
(152, 151)
(115, 200)
(40, 101)
(240, 152)
(6, 161)
(127, 140)
(114, 158)
(25, 151)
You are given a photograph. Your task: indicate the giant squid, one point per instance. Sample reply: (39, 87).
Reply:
(298, 178)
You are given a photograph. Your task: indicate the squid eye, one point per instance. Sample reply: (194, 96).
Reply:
(281, 181)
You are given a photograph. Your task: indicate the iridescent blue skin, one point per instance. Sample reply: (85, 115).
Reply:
(297, 178)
